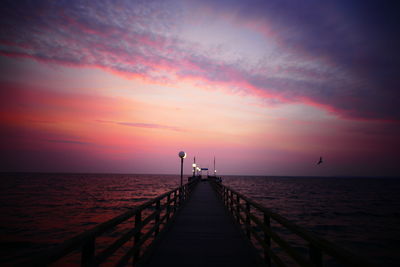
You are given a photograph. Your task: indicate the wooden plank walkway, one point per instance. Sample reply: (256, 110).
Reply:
(203, 234)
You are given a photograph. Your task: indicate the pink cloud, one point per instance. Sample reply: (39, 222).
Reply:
(130, 42)
(144, 125)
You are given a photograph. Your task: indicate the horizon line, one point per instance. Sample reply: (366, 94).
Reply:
(188, 175)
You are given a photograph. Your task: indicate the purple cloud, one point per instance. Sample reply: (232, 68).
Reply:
(338, 55)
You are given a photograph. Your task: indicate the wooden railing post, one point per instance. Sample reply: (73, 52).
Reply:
(88, 251)
(219, 188)
(157, 218)
(168, 206)
(185, 193)
(180, 196)
(267, 240)
(225, 198)
(248, 224)
(228, 200)
(238, 208)
(175, 200)
(136, 239)
(231, 201)
(315, 255)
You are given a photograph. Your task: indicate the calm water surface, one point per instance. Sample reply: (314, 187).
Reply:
(361, 214)
(40, 210)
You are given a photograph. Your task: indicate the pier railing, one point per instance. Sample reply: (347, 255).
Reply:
(262, 228)
(143, 224)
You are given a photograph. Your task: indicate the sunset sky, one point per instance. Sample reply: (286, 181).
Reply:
(267, 87)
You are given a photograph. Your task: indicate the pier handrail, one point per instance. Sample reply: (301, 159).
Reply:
(246, 213)
(165, 208)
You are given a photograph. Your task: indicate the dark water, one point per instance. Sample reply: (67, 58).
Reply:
(360, 214)
(40, 210)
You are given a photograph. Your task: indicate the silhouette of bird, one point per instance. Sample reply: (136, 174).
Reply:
(320, 161)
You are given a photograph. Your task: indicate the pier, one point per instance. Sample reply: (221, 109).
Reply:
(201, 223)
(203, 235)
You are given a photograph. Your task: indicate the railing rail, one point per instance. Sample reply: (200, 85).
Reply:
(159, 212)
(255, 221)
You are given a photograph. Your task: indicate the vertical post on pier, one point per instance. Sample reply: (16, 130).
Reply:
(157, 219)
(168, 206)
(267, 240)
(224, 197)
(175, 197)
(238, 208)
(180, 197)
(88, 250)
(315, 255)
(182, 155)
(136, 239)
(231, 202)
(227, 198)
(181, 171)
(248, 224)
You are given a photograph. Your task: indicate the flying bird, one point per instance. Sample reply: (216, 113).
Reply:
(320, 161)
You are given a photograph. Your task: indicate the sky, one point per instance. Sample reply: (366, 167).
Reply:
(267, 87)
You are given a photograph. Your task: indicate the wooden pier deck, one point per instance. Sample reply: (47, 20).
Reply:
(203, 234)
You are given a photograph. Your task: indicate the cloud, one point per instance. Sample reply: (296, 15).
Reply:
(68, 142)
(144, 125)
(336, 55)
(357, 41)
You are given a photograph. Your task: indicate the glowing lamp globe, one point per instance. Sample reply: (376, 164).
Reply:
(182, 154)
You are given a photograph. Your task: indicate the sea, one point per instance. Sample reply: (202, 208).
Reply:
(40, 210)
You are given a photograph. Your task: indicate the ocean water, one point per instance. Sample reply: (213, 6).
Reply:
(360, 214)
(41, 210)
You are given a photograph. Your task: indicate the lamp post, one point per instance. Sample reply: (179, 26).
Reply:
(182, 155)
